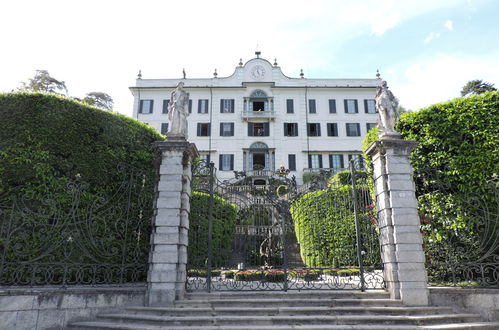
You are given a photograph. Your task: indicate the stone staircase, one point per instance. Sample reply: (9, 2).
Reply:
(312, 310)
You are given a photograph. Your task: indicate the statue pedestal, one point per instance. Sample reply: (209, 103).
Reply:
(168, 256)
(397, 206)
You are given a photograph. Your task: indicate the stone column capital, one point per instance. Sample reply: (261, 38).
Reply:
(189, 149)
(398, 146)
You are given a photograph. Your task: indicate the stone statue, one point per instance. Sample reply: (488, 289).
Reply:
(387, 105)
(178, 110)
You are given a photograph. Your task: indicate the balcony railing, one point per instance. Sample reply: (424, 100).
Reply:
(267, 173)
(258, 114)
(324, 170)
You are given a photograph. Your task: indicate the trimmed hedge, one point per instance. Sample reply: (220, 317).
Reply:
(325, 227)
(71, 165)
(455, 163)
(223, 230)
(46, 136)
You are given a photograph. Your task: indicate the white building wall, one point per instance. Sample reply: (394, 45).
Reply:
(277, 86)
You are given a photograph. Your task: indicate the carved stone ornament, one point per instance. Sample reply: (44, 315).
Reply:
(386, 104)
(178, 110)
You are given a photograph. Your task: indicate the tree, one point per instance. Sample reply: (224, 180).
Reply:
(43, 82)
(100, 100)
(475, 87)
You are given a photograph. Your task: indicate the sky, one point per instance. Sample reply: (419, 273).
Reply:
(426, 49)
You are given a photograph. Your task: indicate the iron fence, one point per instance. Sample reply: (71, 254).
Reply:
(460, 225)
(74, 234)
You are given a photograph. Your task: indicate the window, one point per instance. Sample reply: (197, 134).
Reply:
(190, 106)
(258, 129)
(165, 105)
(314, 129)
(370, 125)
(202, 106)
(226, 129)
(290, 106)
(351, 106)
(204, 129)
(332, 106)
(227, 106)
(357, 159)
(226, 162)
(370, 106)
(336, 161)
(332, 129)
(353, 129)
(315, 161)
(311, 106)
(292, 162)
(205, 159)
(164, 128)
(146, 106)
(290, 129)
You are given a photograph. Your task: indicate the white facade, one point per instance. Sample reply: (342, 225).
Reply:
(267, 118)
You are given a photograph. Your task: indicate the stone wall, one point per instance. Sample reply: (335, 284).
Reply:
(482, 301)
(53, 307)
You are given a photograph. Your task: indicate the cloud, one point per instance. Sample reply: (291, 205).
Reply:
(431, 36)
(428, 81)
(449, 25)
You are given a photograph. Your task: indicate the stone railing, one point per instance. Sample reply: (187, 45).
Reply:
(257, 114)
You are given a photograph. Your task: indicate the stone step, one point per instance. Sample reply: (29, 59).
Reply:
(290, 302)
(289, 320)
(305, 294)
(454, 326)
(300, 310)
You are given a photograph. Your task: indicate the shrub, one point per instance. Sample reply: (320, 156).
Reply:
(274, 276)
(223, 229)
(310, 176)
(325, 229)
(86, 179)
(249, 275)
(229, 273)
(203, 273)
(455, 164)
(306, 274)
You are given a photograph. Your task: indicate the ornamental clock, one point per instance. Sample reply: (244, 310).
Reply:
(258, 72)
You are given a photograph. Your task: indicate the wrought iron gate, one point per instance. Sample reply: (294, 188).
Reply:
(275, 235)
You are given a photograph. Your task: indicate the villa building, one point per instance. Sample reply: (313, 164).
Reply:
(258, 119)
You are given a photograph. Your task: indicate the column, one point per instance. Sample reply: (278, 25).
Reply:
(400, 236)
(168, 256)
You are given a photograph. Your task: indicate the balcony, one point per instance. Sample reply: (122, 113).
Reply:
(250, 114)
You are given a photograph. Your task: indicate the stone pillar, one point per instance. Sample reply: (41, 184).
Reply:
(168, 256)
(400, 235)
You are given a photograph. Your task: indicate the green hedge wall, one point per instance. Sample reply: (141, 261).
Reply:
(455, 163)
(223, 224)
(80, 181)
(324, 224)
(45, 136)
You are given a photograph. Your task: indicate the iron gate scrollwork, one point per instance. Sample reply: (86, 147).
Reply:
(247, 236)
(72, 234)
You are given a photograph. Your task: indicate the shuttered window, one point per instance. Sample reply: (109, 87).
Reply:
(227, 106)
(226, 129)
(351, 106)
(332, 129)
(226, 162)
(370, 106)
(332, 106)
(311, 106)
(292, 162)
(290, 107)
(146, 106)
